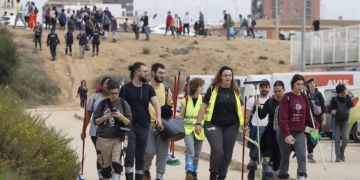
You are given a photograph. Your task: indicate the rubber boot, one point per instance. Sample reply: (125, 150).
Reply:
(252, 168)
(115, 176)
(129, 176)
(139, 176)
(147, 175)
(213, 176)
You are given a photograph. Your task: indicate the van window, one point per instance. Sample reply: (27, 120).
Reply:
(238, 82)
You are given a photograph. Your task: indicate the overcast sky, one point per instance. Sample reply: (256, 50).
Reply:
(212, 9)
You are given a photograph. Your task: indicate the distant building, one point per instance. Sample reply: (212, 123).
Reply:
(288, 9)
(127, 4)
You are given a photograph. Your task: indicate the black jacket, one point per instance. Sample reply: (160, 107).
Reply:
(96, 37)
(52, 39)
(333, 103)
(82, 39)
(69, 38)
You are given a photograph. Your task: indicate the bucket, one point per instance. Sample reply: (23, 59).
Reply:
(173, 130)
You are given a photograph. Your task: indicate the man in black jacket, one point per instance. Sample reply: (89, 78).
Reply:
(53, 41)
(82, 43)
(96, 41)
(69, 41)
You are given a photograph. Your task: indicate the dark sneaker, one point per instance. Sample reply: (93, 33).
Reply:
(311, 158)
(189, 175)
(342, 157)
(337, 158)
(146, 175)
(194, 176)
(251, 175)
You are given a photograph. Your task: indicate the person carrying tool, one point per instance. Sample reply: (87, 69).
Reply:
(252, 119)
(190, 106)
(223, 116)
(95, 99)
(108, 144)
(317, 106)
(294, 111)
(155, 145)
(268, 138)
(340, 107)
(138, 94)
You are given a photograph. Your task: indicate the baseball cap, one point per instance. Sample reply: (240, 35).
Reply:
(266, 82)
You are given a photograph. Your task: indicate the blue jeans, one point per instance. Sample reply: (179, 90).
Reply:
(228, 33)
(147, 32)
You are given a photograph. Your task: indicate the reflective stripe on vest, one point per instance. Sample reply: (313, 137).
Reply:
(210, 109)
(190, 118)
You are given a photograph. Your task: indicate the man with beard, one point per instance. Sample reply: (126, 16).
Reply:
(250, 113)
(138, 94)
(155, 145)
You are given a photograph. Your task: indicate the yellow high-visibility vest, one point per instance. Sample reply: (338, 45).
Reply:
(191, 115)
(210, 109)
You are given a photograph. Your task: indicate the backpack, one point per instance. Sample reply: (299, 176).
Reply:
(253, 22)
(36, 10)
(62, 18)
(118, 124)
(107, 20)
(342, 113)
(245, 22)
(166, 110)
(87, 24)
(276, 114)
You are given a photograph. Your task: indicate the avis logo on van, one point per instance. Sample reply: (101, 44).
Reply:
(332, 79)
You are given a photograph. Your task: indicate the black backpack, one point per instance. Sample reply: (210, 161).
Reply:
(245, 22)
(342, 111)
(36, 10)
(118, 124)
(253, 22)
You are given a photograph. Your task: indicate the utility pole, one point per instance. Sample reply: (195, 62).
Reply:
(303, 26)
(277, 18)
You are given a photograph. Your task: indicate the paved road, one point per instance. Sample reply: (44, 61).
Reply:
(347, 170)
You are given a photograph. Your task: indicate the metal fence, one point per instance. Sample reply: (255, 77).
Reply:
(340, 45)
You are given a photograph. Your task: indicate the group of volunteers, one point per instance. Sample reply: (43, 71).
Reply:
(29, 12)
(138, 105)
(282, 120)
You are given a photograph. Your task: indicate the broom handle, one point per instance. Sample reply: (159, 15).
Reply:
(243, 139)
(174, 115)
(83, 148)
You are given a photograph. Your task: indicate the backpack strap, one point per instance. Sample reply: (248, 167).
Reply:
(122, 102)
(166, 93)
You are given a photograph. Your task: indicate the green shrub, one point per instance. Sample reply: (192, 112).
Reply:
(281, 62)
(8, 175)
(146, 50)
(30, 147)
(9, 58)
(263, 57)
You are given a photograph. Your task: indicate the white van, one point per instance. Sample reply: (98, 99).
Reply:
(208, 80)
(250, 89)
(322, 78)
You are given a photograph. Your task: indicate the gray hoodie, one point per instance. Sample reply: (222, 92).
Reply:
(107, 128)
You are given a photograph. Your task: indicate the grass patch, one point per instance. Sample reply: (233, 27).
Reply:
(178, 51)
(8, 175)
(163, 55)
(263, 57)
(30, 147)
(146, 50)
(281, 62)
(24, 73)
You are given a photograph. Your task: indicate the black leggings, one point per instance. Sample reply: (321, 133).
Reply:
(70, 49)
(47, 22)
(171, 29)
(38, 40)
(186, 26)
(95, 45)
(82, 99)
(53, 23)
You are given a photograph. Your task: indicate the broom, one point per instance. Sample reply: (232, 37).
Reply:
(243, 140)
(81, 175)
(171, 160)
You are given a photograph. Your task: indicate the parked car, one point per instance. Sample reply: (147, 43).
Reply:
(160, 29)
(9, 21)
(354, 118)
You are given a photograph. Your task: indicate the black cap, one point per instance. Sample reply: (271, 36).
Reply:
(266, 82)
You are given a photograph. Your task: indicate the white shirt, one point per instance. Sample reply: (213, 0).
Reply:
(177, 22)
(187, 19)
(249, 20)
(91, 107)
(250, 106)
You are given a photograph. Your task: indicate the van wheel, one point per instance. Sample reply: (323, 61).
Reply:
(355, 134)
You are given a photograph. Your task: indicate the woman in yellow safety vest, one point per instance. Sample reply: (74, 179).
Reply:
(190, 106)
(223, 116)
